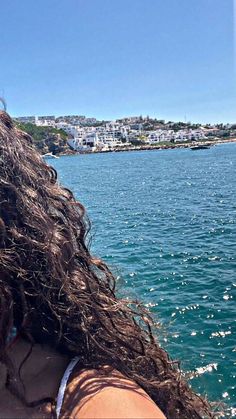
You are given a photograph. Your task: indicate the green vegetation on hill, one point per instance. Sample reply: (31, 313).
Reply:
(46, 139)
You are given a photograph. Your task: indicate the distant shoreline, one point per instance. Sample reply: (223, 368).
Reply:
(148, 147)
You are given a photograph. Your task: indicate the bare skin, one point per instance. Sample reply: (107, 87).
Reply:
(107, 394)
(40, 374)
(89, 394)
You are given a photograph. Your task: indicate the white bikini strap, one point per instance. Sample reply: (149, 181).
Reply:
(63, 385)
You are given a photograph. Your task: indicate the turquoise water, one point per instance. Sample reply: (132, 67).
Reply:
(165, 221)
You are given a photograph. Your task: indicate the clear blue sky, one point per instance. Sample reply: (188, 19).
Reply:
(111, 58)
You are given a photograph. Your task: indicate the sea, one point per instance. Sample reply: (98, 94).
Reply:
(165, 222)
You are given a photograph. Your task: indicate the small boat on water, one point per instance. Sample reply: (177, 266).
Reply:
(200, 147)
(49, 156)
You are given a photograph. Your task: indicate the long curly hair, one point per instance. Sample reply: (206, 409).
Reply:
(55, 292)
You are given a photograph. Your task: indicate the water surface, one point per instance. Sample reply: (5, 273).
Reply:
(165, 221)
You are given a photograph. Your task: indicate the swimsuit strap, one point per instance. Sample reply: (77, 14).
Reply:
(63, 384)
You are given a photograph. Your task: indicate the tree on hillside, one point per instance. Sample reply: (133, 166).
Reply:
(46, 139)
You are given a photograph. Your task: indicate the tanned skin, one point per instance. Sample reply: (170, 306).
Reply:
(89, 393)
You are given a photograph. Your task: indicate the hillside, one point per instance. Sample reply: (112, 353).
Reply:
(46, 139)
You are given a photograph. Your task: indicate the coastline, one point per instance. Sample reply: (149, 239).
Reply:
(148, 147)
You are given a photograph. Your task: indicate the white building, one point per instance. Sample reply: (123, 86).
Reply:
(27, 119)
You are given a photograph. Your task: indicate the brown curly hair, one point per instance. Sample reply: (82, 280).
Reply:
(54, 291)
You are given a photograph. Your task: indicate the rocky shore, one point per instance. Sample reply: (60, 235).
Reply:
(153, 147)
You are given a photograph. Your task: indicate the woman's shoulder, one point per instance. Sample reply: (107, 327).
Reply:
(106, 393)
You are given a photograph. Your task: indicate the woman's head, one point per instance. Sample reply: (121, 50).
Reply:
(53, 289)
(55, 292)
(42, 232)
